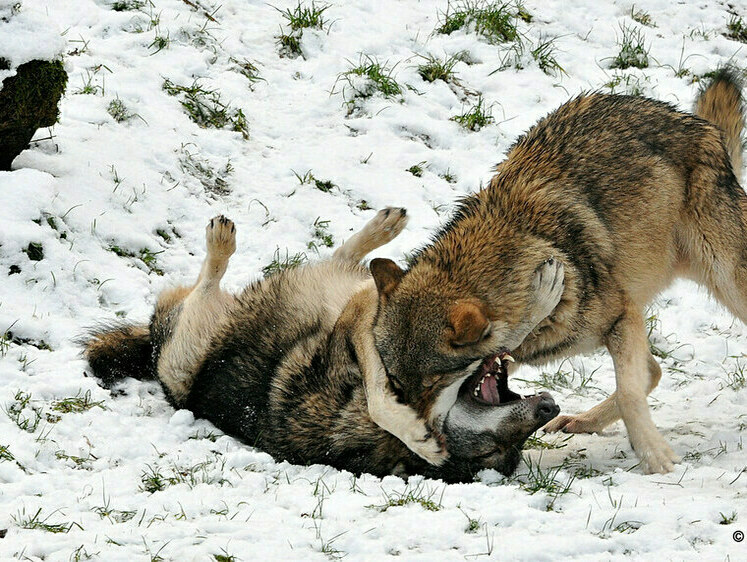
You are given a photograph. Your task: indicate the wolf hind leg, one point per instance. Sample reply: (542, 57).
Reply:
(383, 228)
(187, 319)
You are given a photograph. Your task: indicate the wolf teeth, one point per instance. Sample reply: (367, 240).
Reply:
(508, 358)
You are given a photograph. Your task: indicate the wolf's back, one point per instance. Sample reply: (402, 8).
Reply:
(720, 102)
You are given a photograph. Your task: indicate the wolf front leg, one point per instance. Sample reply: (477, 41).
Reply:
(398, 419)
(628, 346)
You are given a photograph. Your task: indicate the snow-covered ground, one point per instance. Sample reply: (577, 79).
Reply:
(119, 209)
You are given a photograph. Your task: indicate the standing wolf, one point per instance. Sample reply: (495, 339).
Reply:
(619, 195)
(282, 365)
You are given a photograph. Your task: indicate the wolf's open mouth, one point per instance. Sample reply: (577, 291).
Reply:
(489, 384)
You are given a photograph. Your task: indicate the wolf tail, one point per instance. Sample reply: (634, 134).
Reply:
(720, 102)
(118, 351)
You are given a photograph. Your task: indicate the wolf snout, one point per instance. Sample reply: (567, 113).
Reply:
(546, 408)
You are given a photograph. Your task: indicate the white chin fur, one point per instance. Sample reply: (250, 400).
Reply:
(446, 400)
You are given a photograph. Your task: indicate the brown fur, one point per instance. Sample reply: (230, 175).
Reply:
(628, 194)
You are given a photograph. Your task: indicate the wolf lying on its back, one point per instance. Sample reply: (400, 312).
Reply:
(625, 194)
(280, 365)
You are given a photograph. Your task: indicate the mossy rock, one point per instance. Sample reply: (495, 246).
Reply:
(28, 101)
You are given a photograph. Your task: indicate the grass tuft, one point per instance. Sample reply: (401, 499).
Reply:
(633, 50)
(544, 55)
(476, 117)
(728, 519)
(418, 494)
(736, 29)
(539, 480)
(210, 471)
(118, 110)
(23, 413)
(368, 78)
(439, 69)
(297, 19)
(35, 521)
(417, 169)
(494, 21)
(204, 107)
(5, 454)
(77, 404)
(280, 263)
(321, 235)
(628, 84)
(127, 5)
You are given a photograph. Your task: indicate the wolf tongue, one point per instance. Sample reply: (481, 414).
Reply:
(489, 391)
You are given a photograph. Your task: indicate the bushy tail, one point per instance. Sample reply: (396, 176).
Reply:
(720, 102)
(118, 351)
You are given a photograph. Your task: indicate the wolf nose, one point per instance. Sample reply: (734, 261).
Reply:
(547, 409)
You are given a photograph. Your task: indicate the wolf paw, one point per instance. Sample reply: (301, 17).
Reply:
(402, 422)
(220, 235)
(656, 456)
(572, 424)
(387, 224)
(547, 285)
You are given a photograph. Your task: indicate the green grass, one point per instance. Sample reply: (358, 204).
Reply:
(35, 521)
(159, 43)
(633, 51)
(433, 68)
(205, 107)
(214, 178)
(76, 404)
(23, 413)
(309, 179)
(546, 480)
(736, 29)
(303, 16)
(544, 54)
(118, 110)
(5, 454)
(367, 79)
(280, 263)
(737, 379)
(419, 494)
(148, 257)
(628, 84)
(562, 379)
(296, 20)
(247, 69)
(534, 442)
(475, 117)
(321, 235)
(727, 519)
(494, 21)
(210, 471)
(127, 5)
(34, 251)
(416, 169)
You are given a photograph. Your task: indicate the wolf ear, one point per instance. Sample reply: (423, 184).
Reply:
(469, 323)
(387, 275)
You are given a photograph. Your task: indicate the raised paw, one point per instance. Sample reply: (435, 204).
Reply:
(387, 224)
(220, 235)
(547, 285)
